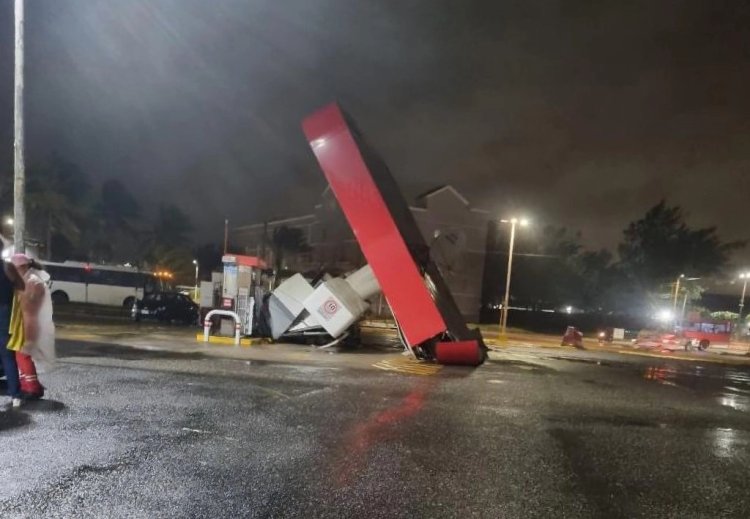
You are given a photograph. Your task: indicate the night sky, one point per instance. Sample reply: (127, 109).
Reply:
(575, 113)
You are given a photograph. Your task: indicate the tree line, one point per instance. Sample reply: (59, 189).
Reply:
(71, 218)
(554, 269)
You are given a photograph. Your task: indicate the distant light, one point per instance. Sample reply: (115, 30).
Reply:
(568, 309)
(195, 262)
(664, 315)
(523, 222)
(7, 252)
(9, 221)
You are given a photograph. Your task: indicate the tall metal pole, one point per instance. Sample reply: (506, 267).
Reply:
(19, 169)
(684, 307)
(226, 235)
(676, 294)
(506, 301)
(742, 298)
(195, 292)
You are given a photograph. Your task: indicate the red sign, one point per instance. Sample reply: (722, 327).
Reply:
(373, 224)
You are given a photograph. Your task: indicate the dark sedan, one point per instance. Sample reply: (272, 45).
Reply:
(169, 307)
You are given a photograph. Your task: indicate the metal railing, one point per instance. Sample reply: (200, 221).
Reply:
(237, 324)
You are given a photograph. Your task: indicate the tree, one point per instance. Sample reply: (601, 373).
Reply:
(117, 207)
(598, 278)
(167, 244)
(57, 201)
(545, 269)
(660, 247)
(172, 227)
(112, 224)
(209, 257)
(287, 240)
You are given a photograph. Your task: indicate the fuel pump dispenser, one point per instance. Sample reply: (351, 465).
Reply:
(242, 276)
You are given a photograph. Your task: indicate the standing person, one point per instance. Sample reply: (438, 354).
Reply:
(38, 327)
(8, 282)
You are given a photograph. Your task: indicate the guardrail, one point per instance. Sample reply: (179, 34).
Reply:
(227, 313)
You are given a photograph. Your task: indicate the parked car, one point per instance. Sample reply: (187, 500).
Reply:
(169, 307)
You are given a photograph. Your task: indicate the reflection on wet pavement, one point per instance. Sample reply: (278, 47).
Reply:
(727, 443)
(738, 402)
(730, 387)
(362, 437)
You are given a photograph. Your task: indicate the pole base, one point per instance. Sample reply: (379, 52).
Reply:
(462, 353)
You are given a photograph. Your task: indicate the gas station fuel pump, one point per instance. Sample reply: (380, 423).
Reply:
(242, 276)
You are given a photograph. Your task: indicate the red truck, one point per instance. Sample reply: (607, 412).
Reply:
(691, 335)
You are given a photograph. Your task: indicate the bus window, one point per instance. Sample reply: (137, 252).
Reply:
(58, 273)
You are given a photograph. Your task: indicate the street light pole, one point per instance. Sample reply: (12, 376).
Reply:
(19, 170)
(195, 291)
(744, 276)
(506, 299)
(676, 294)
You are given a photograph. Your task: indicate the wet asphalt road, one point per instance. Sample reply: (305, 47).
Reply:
(533, 433)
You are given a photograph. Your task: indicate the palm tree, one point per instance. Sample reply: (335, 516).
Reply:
(167, 244)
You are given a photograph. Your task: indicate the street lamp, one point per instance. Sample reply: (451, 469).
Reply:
(523, 222)
(744, 277)
(195, 292)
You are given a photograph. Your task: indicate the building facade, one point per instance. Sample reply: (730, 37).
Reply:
(455, 232)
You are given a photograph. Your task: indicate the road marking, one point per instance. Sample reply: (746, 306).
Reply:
(408, 366)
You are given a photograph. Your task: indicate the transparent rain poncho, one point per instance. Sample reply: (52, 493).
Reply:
(38, 326)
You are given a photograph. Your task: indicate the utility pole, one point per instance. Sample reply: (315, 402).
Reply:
(19, 169)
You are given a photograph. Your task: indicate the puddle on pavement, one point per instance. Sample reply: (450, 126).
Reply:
(730, 387)
(726, 442)
(736, 402)
(613, 420)
(44, 406)
(529, 367)
(94, 349)
(605, 363)
(12, 419)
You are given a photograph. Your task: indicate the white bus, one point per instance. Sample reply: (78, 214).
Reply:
(100, 284)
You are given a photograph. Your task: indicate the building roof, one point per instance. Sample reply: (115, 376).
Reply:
(420, 205)
(271, 223)
(421, 199)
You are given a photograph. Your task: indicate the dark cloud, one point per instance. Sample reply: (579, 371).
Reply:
(580, 113)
